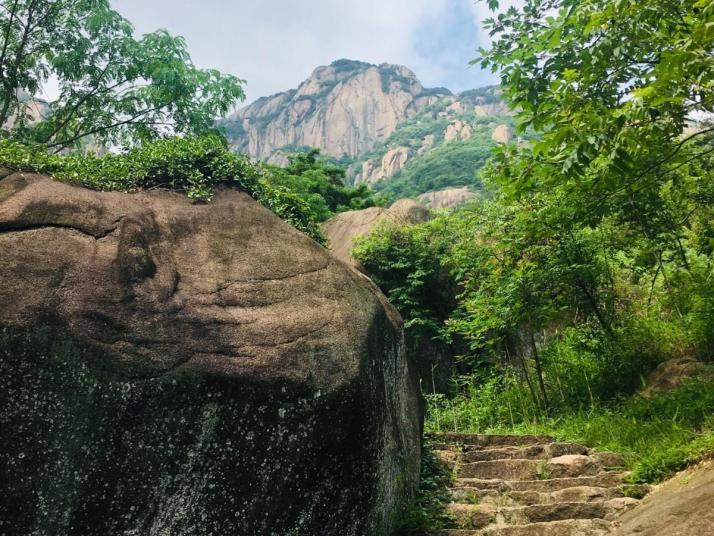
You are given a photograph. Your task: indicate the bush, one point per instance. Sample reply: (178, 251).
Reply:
(191, 165)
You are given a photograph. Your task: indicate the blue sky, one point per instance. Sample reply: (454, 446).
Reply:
(275, 44)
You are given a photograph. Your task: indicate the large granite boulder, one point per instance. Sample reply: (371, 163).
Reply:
(343, 228)
(179, 369)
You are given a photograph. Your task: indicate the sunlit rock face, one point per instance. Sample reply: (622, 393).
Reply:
(176, 369)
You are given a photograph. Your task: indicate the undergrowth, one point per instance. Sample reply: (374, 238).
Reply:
(658, 436)
(427, 513)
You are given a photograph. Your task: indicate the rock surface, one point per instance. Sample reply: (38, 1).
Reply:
(343, 108)
(672, 374)
(343, 228)
(446, 198)
(182, 369)
(511, 485)
(393, 161)
(681, 506)
(502, 134)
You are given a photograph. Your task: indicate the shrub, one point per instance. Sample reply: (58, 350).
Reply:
(192, 165)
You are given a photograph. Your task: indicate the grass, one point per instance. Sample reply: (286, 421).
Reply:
(658, 437)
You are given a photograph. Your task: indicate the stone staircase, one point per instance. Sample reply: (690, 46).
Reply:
(530, 485)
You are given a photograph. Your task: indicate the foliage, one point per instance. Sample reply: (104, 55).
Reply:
(451, 164)
(427, 512)
(658, 437)
(591, 258)
(321, 184)
(193, 165)
(114, 88)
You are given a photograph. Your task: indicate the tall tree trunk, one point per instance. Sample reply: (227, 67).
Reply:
(524, 366)
(539, 370)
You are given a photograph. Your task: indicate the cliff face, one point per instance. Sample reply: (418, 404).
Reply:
(343, 108)
(379, 120)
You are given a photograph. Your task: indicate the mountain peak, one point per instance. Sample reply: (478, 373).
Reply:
(343, 108)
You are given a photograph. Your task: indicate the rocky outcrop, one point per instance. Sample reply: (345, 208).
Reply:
(342, 229)
(491, 109)
(502, 134)
(394, 160)
(343, 109)
(446, 198)
(681, 506)
(672, 374)
(457, 131)
(184, 369)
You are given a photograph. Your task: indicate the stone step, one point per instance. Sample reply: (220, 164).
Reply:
(484, 440)
(479, 516)
(602, 480)
(528, 498)
(531, 452)
(569, 527)
(571, 465)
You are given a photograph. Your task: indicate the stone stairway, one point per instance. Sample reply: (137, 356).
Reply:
(533, 486)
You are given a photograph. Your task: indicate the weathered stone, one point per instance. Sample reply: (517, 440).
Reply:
(179, 369)
(447, 198)
(672, 374)
(343, 228)
(502, 134)
(681, 506)
(572, 465)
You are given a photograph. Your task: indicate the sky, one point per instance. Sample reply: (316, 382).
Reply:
(275, 44)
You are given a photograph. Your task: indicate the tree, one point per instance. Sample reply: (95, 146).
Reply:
(321, 184)
(113, 88)
(611, 85)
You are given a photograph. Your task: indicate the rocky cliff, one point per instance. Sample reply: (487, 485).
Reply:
(193, 370)
(380, 121)
(343, 108)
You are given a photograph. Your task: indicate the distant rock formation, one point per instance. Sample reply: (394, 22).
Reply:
(342, 229)
(446, 198)
(393, 161)
(502, 134)
(343, 109)
(192, 369)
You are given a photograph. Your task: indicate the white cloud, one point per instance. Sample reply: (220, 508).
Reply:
(481, 12)
(275, 44)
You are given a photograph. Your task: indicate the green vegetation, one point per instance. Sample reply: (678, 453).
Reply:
(321, 184)
(658, 436)
(113, 87)
(439, 165)
(590, 258)
(192, 165)
(453, 164)
(427, 512)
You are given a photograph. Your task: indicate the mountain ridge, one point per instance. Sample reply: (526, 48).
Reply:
(378, 120)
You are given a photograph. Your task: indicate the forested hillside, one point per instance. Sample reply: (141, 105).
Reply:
(588, 264)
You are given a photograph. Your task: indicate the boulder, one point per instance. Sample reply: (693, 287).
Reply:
(672, 374)
(502, 134)
(342, 229)
(184, 369)
(447, 198)
(681, 506)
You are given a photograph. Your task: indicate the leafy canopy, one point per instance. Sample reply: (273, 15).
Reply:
(610, 85)
(114, 88)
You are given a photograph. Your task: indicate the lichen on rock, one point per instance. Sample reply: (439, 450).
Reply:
(183, 369)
